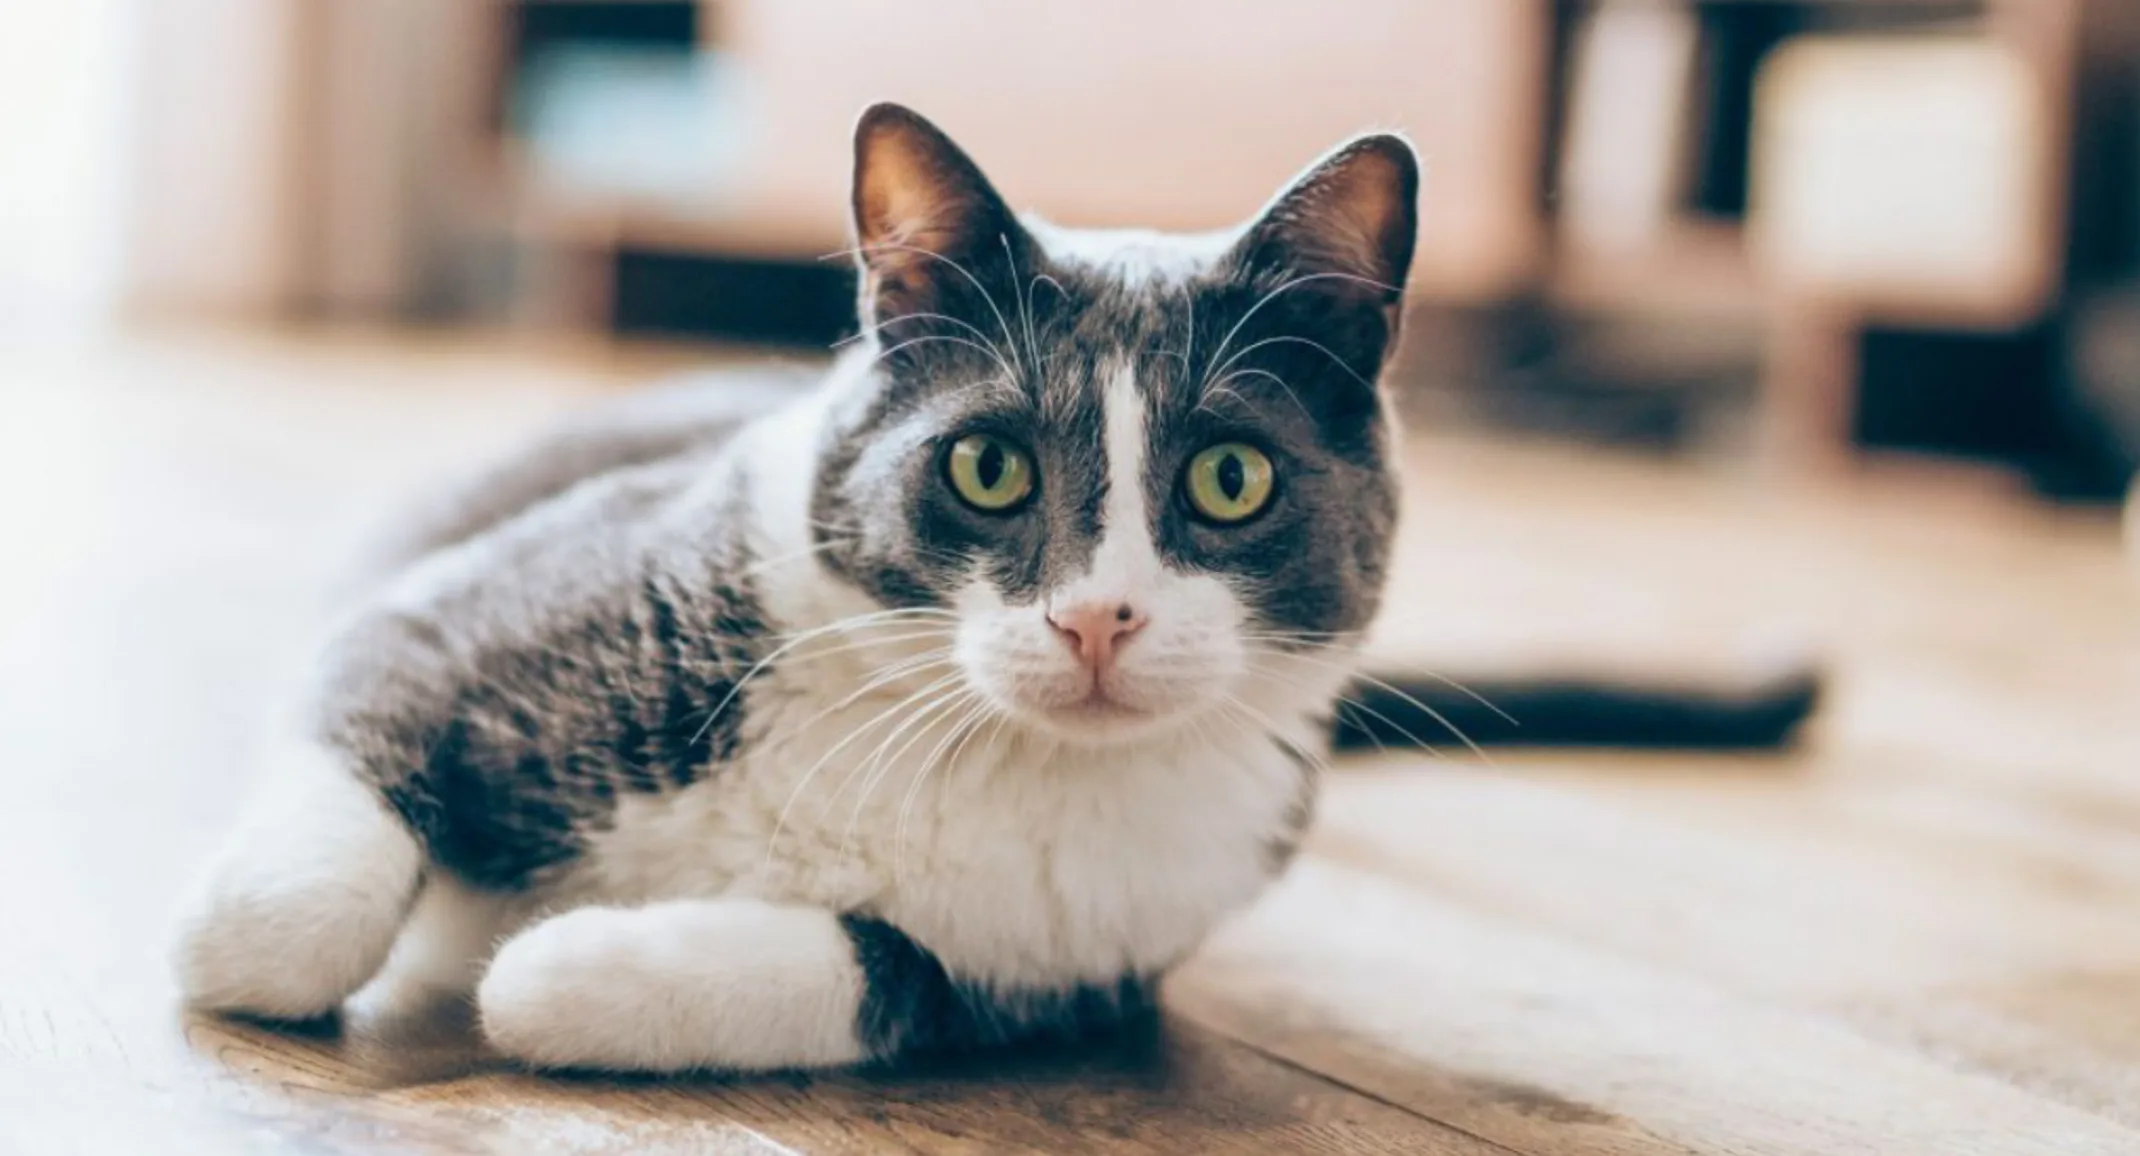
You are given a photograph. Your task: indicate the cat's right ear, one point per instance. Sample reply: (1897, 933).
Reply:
(928, 226)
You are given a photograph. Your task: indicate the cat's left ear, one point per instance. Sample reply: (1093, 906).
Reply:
(1344, 229)
(929, 227)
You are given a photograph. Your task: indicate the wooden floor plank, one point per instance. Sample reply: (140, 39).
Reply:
(1185, 1090)
(1938, 935)
(1790, 909)
(1549, 1047)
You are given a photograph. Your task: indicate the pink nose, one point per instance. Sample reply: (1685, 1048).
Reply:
(1096, 630)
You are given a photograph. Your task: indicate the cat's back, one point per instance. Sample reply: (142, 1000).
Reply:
(691, 416)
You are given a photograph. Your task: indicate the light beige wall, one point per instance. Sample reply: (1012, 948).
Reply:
(1174, 113)
(62, 137)
(210, 215)
(145, 157)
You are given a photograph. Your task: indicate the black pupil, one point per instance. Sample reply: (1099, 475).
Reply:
(1232, 477)
(988, 467)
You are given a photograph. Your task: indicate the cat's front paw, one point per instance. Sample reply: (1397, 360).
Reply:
(550, 997)
(304, 903)
(730, 984)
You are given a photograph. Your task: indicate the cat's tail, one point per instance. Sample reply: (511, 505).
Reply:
(1759, 711)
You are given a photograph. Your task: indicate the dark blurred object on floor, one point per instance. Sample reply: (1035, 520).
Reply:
(2102, 367)
(2101, 358)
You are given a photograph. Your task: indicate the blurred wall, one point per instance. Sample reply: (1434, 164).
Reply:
(146, 150)
(210, 210)
(1185, 114)
(62, 148)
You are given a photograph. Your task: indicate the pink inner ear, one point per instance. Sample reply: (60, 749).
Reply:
(899, 199)
(913, 186)
(1363, 203)
(1353, 214)
(921, 208)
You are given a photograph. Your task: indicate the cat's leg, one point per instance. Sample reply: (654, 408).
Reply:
(445, 944)
(734, 984)
(304, 903)
(744, 985)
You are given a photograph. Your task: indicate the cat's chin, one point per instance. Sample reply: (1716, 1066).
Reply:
(1100, 722)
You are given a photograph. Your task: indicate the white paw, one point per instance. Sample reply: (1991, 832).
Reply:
(550, 997)
(727, 984)
(303, 906)
(236, 954)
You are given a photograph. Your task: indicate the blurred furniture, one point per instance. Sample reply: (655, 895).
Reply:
(1944, 207)
(634, 165)
(1625, 198)
(2101, 337)
(1937, 128)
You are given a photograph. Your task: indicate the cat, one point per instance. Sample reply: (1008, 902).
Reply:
(940, 704)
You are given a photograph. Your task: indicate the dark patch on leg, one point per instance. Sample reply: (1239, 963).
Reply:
(913, 1006)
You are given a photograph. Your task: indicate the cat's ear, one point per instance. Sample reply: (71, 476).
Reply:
(927, 224)
(1345, 227)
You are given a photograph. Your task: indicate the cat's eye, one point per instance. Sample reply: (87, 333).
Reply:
(1229, 482)
(989, 474)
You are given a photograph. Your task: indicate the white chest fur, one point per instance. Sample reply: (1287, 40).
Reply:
(1096, 863)
(1015, 859)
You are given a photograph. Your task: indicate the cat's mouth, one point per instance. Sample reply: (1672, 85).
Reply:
(1099, 714)
(1098, 705)
(1097, 720)
(1083, 705)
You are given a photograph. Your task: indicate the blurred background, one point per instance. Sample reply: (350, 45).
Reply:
(1780, 231)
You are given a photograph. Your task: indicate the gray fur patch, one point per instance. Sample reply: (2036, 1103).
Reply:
(527, 677)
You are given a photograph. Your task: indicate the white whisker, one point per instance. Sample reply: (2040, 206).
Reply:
(1221, 384)
(979, 334)
(887, 761)
(1408, 667)
(972, 280)
(928, 337)
(1025, 296)
(905, 668)
(1291, 339)
(1423, 708)
(772, 841)
(867, 766)
(969, 724)
(1267, 298)
(793, 641)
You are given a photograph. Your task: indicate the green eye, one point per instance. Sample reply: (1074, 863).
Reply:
(1229, 482)
(990, 474)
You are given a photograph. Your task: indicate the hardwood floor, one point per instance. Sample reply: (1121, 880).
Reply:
(1919, 935)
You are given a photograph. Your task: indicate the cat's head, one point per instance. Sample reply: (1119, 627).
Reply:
(1148, 476)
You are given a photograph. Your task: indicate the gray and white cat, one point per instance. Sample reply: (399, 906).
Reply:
(942, 705)
(946, 705)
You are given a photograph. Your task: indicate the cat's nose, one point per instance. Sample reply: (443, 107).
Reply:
(1095, 630)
